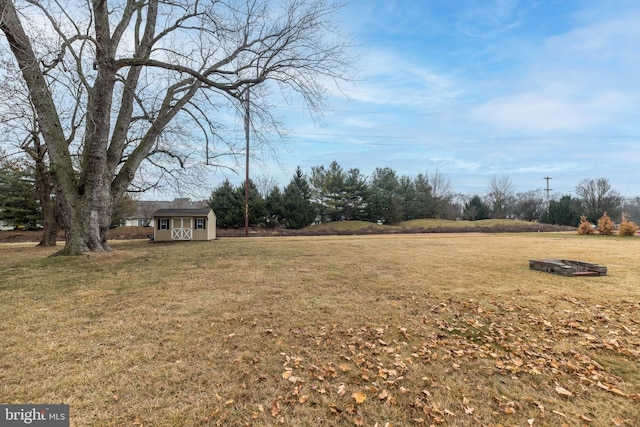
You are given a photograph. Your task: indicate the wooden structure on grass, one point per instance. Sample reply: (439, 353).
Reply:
(184, 224)
(567, 267)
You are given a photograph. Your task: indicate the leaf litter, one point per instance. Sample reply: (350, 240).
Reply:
(353, 371)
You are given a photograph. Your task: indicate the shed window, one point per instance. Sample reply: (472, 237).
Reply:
(163, 224)
(200, 223)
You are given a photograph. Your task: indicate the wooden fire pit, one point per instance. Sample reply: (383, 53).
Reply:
(567, 267)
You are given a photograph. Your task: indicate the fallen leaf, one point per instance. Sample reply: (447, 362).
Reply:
(359, 397)
(359, 421)
(563, 391)
(293, 379)
(618, 392)
(342, 390)
(559, 413)
(213, 414)
(617, 421)
(275, 408)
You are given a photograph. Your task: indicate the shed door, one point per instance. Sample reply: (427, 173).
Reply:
(181, 229)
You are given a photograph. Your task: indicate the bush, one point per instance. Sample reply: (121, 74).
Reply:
(585, 226)
(627, 228)
(606, 227)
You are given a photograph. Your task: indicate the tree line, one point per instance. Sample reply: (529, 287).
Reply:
(333, 193)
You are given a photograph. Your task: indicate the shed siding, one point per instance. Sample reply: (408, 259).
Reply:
(209, 232)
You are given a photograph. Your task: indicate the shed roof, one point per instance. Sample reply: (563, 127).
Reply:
(181, 212)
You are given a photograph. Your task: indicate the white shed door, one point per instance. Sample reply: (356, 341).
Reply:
(181, 229)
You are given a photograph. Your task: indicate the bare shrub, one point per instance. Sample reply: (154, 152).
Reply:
(585, 226)
(627, 228)
(606, 227)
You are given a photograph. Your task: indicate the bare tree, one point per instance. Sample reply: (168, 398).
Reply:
(442, 195)
(631, 208)
(500, 196)
(20, 130)
(138, 67)
(597, 197)
(265, 184)
(530, 205)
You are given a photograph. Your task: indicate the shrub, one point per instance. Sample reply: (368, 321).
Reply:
(606, 227)
(627, 228)
(585, 226)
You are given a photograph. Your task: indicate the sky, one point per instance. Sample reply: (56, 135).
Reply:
(476, 89)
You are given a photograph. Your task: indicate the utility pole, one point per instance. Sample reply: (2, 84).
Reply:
(548, 178)
(246, 179)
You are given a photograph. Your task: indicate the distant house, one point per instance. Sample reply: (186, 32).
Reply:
(142, 215)
(184, 224)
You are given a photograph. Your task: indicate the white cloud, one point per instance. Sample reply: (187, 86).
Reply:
(584, 80)
(548, 111)
(490, 18)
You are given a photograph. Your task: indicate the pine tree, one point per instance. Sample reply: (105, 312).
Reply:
(297, 209)
(228, 207)
(476, 209)
(19, 205)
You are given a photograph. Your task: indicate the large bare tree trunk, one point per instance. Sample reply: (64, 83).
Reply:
(127, 92)
(50, 210)
(84, 227)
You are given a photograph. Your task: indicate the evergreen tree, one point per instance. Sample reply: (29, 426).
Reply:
(475, 209)
(19, 205)
(257, 209)
(425, 207)
(274, 204)
(382, 197)
(228, 206)
(355, 191)
(328, 191)
(297, 209)
(407, 198)
(562, 212)
(300, 181)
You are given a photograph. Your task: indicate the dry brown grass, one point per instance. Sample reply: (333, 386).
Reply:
(340, 330)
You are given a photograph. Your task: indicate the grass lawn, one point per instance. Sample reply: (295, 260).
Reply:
(386, 330)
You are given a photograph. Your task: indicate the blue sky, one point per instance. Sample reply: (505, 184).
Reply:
(474, 89)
